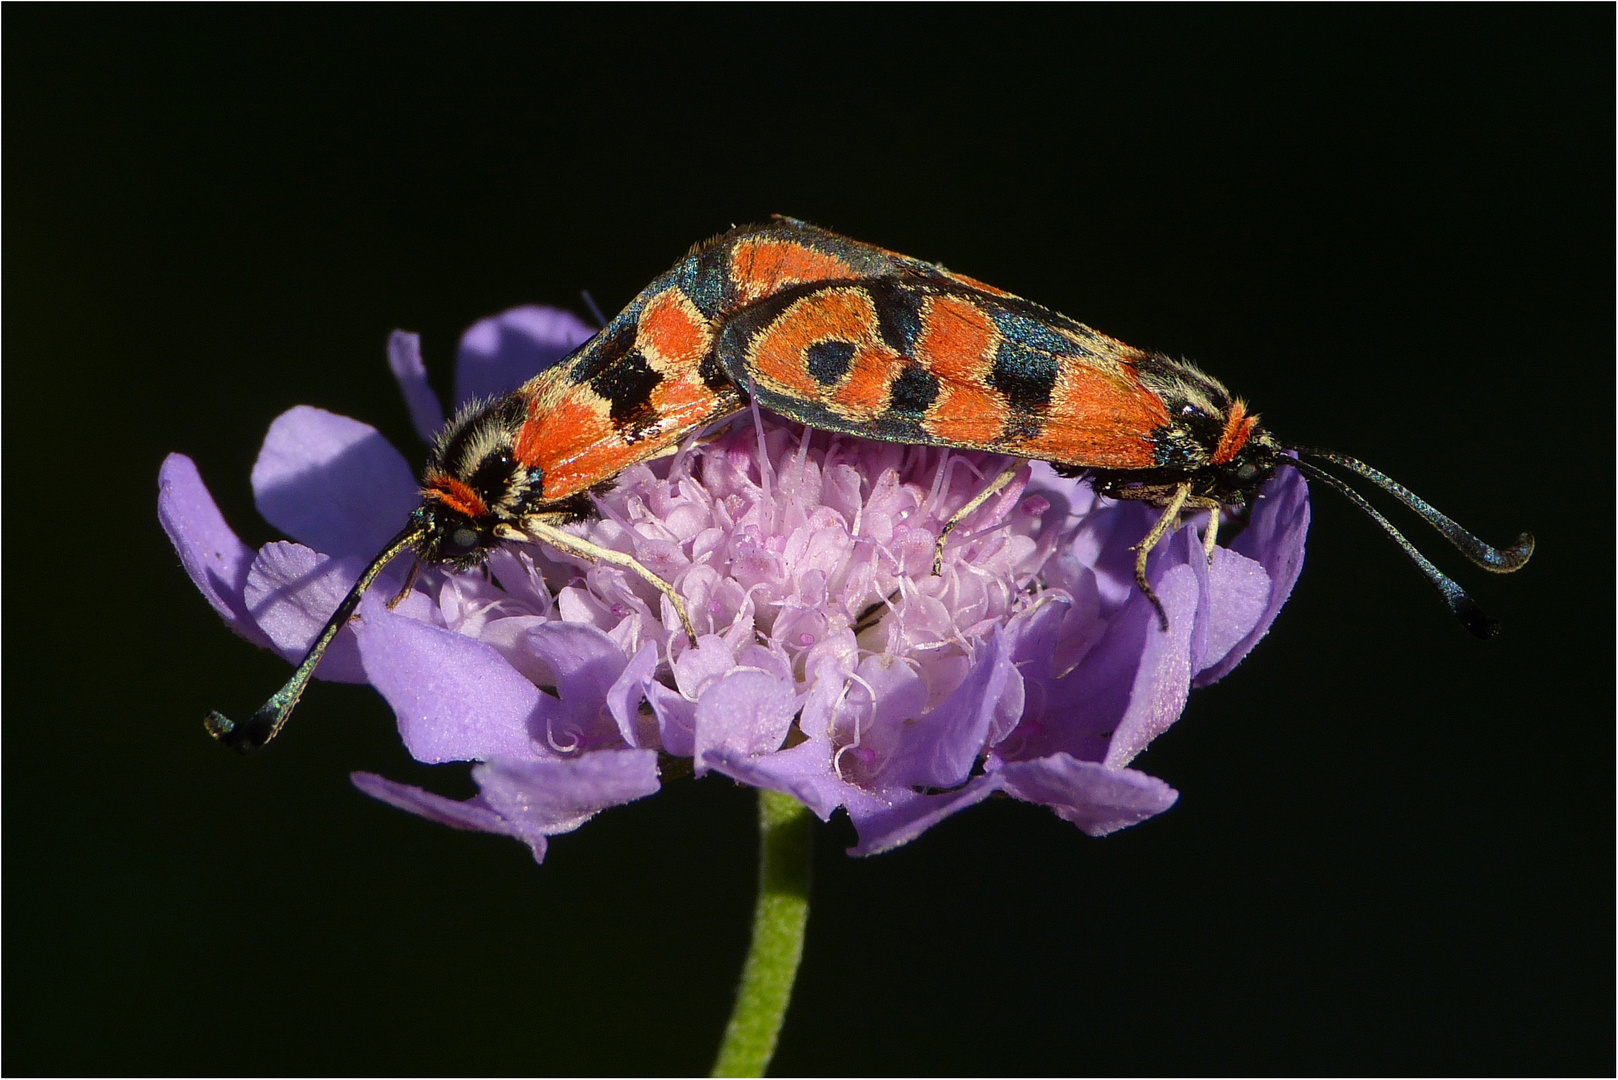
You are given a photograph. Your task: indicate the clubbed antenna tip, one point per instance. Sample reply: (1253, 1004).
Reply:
(264, 724)
(1499, 561)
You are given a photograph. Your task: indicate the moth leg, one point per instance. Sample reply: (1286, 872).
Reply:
(575, 545)
(993, 488)
(410, 583)
(1171, 514)
(874, 613)
(1211, 537)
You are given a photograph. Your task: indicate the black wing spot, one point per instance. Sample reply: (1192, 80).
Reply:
(898, 313)
(913, 392)
(1022, 427)
(627, 387)
(893, 427)
(712, 373)
(829, 361)
(600, 353)
(1032, 330)
(1027, 377)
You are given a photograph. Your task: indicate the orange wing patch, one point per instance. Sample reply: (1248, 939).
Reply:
(674, 337)
(1098, 419)
(762, 268)
(565, 424)
(824, 359)
(782, 355)
(571, 437)
(671, 332)
(570, 433)
(865, 390)
(957, 346)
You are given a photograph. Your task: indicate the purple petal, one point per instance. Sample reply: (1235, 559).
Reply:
(901, 693)
(1163, 678)
(530, 800)
(216, 560)
(676, 720)
(500, 353)
(584, 660)
(404, 360)
(1125, 684)
(507, 635)
(456, 698)
(940, 747)
(472, 814)
(1097, 799)
(808, 771)
(291, 592)
(805, 772)
(1238, 595)
(1103, 543)
(626, 695)
(700, 665)
(559, 795)
(820, 704)
(1274, 537)
(585, 664)
(332, 483)
(745, 713)
(1034, 635)
(884, 827)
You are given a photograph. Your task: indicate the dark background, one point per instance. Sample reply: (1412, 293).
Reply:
(1392, 229)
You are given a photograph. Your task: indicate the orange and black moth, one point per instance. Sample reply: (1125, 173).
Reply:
(852, 338)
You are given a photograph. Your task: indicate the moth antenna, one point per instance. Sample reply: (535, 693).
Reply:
(1490, 558)
(263, 725)
(1477, 623)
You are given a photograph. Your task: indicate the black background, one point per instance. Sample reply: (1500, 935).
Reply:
(1391, 229)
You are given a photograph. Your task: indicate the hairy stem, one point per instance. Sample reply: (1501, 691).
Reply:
(779, 918)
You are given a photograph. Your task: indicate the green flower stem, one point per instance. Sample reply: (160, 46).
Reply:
(779, 919)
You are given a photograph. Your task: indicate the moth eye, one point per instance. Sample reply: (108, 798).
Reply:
(1246, 471)
(463, 539)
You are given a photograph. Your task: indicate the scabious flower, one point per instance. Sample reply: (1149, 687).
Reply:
(831, 665)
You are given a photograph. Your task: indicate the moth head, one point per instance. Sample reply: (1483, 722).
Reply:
(1249, 467)
(452, 537)
(473, 483)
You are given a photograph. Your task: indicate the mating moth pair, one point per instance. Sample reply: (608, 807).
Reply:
(851, 338)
